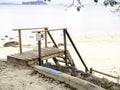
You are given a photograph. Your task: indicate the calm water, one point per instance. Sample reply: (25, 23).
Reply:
(91, 19)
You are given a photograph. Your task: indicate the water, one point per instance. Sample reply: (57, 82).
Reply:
(90, 20)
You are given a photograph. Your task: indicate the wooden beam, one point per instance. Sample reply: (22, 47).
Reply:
(28, 28)
(20, 41)
(86, 68)
(49, 30)
(65, 46)
(46, 29)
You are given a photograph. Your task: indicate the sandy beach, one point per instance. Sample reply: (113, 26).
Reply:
(101, 52)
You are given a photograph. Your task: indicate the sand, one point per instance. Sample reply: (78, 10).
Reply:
(101, 52)
(15, 77)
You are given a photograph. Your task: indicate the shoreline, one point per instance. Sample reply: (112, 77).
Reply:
(101, 52)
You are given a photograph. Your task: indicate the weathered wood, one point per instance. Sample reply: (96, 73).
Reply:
(31, 57)
(56, 61)
(29, 28)
(20, 42)
(19, 34)
(70, 58)
(65, 46)
(46, 37)
(52, 39)
(86, 68)
(67, 56)
(50, 30)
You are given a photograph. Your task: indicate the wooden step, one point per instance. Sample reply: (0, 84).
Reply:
(70, 58)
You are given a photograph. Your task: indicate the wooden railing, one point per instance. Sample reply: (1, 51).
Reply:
(20, 35)
(46, 31)
(65, 33)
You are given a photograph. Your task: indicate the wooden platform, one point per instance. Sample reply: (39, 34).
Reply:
(31, 57)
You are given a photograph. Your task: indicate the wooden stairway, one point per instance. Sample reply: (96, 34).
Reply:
(58, 55)
(61, 59)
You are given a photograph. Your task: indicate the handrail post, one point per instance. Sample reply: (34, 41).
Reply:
(39, 51)
(65, 46)
(91, 70)
(46, 29)
(20, 38)
(20, 42)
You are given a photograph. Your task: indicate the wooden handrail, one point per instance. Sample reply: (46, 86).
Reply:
(65, 33)
(19, 35)
(49, 30)
(29, 28)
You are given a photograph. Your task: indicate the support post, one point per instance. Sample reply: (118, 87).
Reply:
(65, 46)
(39, 51)
(20, 42)
(46, 29)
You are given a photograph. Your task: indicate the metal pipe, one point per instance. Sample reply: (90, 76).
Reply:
(91, 70)
(104, 74)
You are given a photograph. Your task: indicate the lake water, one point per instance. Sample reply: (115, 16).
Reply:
(90, 20)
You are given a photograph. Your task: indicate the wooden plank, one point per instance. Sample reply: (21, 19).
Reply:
(70, 58)
(20, 40)
(59, 29)
(32, 55)
(29, 28)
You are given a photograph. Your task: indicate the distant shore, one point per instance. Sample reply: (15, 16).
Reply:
(24, 3)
